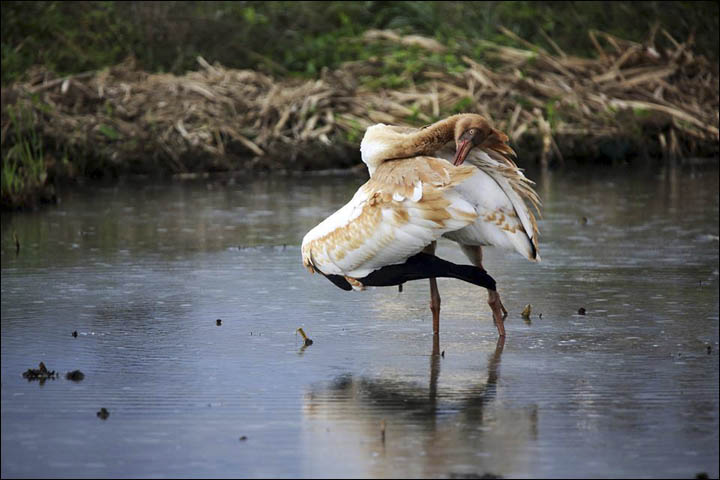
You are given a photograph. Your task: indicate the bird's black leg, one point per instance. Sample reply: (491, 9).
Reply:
(424, 265)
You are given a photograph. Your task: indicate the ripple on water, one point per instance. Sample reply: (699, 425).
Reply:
(565, 393)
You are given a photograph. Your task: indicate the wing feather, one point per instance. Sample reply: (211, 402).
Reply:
(501, 194)
(406, 205)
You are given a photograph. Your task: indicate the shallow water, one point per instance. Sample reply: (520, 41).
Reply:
(142, 272)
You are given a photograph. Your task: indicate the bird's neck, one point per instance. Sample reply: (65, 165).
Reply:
(384, 142)
(428, 140)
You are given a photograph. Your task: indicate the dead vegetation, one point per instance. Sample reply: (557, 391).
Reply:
(632, 99)
(41, 373)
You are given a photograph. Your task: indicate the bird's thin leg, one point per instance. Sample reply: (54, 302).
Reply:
(497, 310)
(434, 294)
(435, 305)
(474, 253)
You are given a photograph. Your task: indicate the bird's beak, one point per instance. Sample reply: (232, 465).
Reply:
(461, 151)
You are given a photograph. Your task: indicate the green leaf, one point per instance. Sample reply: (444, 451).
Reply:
(109, 132)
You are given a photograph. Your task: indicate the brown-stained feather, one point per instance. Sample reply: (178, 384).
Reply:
(341, 241)
(356, 284)
(403, 177)
(402, 142)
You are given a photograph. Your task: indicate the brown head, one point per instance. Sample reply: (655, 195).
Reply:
(474, 131)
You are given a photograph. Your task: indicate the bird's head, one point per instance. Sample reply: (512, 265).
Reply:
(472, 131)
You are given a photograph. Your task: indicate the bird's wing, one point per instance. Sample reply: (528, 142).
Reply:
(406, 205)
(502, 195)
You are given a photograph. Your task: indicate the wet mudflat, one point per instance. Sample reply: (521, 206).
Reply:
(143, 272)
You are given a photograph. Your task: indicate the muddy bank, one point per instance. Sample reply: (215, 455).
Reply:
(632, 100)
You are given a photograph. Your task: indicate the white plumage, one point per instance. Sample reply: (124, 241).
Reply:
(390, 218)
(504, 219)
(418, 191)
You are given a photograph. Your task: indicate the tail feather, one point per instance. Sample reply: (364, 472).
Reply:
(517, 187)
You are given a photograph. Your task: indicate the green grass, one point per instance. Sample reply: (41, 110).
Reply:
(301, 38)
(23, 163)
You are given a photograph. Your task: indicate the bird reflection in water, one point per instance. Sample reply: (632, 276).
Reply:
(455, 427)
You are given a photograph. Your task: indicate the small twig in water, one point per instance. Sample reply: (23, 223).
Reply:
(307, 340)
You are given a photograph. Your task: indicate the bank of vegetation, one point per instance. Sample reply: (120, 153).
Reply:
(601, 97)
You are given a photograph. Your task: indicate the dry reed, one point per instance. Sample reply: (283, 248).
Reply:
(659, 101)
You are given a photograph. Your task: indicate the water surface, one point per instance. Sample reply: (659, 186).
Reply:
(143, 271)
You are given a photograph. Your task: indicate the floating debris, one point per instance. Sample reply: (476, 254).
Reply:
(307, 340)
(709, 349)
(218, 322)
(75, 375)
(103, 413)
(74, 333)
(41, 373)
(526, 311)
(581, 311)
(540, 315)
(583, 221)
(243, 438)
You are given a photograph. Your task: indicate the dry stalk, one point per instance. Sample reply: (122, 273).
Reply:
(560, 101)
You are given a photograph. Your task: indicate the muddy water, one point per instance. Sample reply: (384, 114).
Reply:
(142, 273)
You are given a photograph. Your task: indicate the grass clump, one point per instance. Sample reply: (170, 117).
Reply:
(24, 173)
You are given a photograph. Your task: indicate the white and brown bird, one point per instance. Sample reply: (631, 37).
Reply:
(386, 234)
